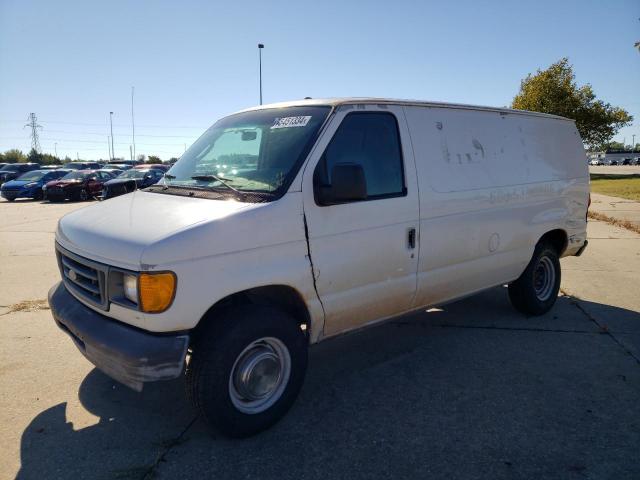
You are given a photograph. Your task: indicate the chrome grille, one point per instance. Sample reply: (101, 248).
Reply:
(84, 278)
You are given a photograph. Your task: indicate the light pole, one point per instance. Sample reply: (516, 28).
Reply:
(113, 153)
(260, 47)
(55, 147)
(633, 142)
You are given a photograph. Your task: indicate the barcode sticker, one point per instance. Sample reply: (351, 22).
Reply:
(287, 122)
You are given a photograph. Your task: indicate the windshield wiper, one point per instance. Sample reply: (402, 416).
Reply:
(223, 182)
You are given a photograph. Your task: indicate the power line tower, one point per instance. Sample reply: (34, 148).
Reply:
(33, 124)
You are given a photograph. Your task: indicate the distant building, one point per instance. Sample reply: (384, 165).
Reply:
(615, 158)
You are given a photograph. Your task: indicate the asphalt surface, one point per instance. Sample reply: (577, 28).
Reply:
(615, 169)
(469, 390)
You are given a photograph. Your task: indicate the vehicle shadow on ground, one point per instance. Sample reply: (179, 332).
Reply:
(472, 390)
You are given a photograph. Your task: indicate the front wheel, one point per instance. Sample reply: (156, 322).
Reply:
(246, 369)
(536, 290)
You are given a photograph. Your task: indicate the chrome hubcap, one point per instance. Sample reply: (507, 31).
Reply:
(544, 278)
(259, 375)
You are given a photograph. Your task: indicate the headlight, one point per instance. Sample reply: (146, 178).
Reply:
(130, 284)
(156, 291)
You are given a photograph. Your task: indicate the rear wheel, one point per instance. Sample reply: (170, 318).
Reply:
(536, 290)
(246, 369)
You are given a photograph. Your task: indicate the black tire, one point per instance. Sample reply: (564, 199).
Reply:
(83, 196)
(536, 290)
(10, 199)
(215, 353)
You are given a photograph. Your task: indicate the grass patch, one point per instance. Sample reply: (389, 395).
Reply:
(623, 186)
(614, 221)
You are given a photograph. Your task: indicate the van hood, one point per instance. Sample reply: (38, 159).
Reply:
(117, 231)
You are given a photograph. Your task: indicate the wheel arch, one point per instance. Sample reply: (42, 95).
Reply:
(283, 297)
(558, 238)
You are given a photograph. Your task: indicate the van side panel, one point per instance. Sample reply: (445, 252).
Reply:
(491, 184)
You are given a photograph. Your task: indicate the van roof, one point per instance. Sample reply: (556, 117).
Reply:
(333, 102)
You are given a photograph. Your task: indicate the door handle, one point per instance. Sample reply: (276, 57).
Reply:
(411, 238)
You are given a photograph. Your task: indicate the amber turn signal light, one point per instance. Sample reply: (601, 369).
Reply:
(156, 291)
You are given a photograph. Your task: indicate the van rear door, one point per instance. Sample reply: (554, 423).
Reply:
(364, 251)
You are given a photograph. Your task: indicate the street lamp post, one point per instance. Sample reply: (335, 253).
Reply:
(633, 142)
(113, 154)
(260, 47)
(55, 147)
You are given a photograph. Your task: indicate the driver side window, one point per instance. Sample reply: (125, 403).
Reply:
(370, 140)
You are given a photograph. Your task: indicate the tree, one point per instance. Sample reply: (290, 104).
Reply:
(555, 91)
(34, 156)
(153, 159)
(173, 160)
(140, 158)
(14, 156)
(48, 159)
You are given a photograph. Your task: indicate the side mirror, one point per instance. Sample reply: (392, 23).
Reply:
(348, 184)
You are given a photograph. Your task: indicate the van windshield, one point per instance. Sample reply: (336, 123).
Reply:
(258, 151)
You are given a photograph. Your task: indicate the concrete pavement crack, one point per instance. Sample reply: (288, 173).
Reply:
(575, 302)
(151, 471)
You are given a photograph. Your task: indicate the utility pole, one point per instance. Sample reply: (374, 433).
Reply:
(633, 142)
(33, 124)
(133, 126)
(131, 152)
(260, 47)
(55, 147)
(109, 147)
(113, 152)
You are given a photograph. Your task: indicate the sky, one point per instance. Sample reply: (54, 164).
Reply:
(71, 62)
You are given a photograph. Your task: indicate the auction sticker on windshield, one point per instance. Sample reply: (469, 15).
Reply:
(286, 122)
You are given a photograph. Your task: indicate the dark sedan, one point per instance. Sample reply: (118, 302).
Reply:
(12, 171)
(29, 185)
(131, 180)
(77, 185)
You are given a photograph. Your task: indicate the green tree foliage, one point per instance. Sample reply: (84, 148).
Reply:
(48, 159)
(153, 159)
(555, 91)
(34, 156)
(14, 156)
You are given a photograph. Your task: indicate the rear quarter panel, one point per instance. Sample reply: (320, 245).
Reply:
(491, 184)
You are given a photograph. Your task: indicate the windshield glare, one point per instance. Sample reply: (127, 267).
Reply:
(74, 176)
(133, 174)
(10, 168)
(31, 176)
(257, 151)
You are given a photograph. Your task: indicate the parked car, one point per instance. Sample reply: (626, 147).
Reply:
(76, 185)
(131, 180)
(82, 165)
(3, 164)
(11, 171)
(627, 161)
(154, 166)
(29, 185)
(117, 166)
(347, 212)
(594, 161)
(50, 167)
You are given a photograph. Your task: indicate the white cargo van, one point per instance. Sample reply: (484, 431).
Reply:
(289, 223)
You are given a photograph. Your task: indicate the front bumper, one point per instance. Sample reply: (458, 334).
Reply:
(127, 354)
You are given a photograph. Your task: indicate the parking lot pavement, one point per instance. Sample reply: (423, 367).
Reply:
(616, 207)
(615, 169)
(26, 248)
(469, 390)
